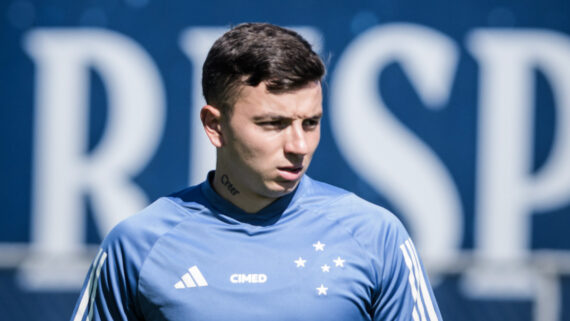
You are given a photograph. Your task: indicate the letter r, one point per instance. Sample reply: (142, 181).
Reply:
(64, 172)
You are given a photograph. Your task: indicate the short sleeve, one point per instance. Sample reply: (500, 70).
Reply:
(109, 289)
(404, 291)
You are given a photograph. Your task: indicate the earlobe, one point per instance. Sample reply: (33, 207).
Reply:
(211, 120)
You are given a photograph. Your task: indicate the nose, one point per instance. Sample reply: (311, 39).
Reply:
(296, 140)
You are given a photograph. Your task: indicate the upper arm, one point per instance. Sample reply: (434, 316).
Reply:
(110, 288)
(404, 291)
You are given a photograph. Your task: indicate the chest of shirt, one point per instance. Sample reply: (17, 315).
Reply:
(228, 273)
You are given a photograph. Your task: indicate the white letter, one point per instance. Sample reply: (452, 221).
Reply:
(507, 191)
(64, 172)
(384, 152)
(196, 42)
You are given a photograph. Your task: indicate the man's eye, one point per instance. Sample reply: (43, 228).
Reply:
(273, 124)
(310, 123)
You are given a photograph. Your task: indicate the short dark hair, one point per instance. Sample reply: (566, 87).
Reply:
(252, 53)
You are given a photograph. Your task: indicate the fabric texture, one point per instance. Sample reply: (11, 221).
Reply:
(319, 253)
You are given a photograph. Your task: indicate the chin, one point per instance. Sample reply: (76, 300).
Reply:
(279, 189)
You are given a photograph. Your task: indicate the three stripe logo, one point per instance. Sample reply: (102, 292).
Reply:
(420, 293)
(191, 279)
(87, 300)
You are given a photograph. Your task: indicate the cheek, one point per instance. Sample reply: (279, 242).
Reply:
(254, 148)
(314, 140)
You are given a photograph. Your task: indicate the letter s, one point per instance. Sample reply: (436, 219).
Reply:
(385, 153)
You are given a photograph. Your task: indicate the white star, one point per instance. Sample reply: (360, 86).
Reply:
(325, 268)
(339, 262)
(300, 262)
(322, 290)
(319, 246)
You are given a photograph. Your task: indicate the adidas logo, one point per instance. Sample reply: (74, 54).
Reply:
(191, 279)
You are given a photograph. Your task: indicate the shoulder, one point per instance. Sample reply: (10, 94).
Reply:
(371, 225)
(338, 203)
(138, 233)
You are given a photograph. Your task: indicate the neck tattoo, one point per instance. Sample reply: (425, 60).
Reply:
(226, 182)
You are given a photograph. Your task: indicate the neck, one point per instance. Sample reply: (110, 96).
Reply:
(248, 202)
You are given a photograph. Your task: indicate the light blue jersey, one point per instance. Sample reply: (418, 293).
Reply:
(320, 253)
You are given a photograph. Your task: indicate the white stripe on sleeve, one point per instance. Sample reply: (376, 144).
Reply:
(418, 287)
(89, 291)
(424, 290)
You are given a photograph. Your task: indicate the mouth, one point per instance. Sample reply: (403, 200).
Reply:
(290, 172)
(291, 169)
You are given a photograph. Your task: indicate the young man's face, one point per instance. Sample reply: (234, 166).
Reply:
(269, 140)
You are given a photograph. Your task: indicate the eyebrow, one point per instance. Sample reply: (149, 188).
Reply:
(273, 116)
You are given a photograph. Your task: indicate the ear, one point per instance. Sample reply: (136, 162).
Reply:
(212, 121)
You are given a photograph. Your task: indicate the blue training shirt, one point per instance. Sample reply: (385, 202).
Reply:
(319, 253)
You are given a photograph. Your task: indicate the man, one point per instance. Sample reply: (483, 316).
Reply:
(259, 240)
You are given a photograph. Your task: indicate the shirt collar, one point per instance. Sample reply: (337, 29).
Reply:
(269, 215)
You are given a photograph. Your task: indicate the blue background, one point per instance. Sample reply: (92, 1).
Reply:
(156, 25)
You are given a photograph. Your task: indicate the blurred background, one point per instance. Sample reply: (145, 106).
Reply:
(453, 114)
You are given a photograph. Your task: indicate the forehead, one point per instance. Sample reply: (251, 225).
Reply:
(303, 102)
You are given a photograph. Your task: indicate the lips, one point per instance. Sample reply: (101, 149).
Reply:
(291, 169)
(290, 173)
